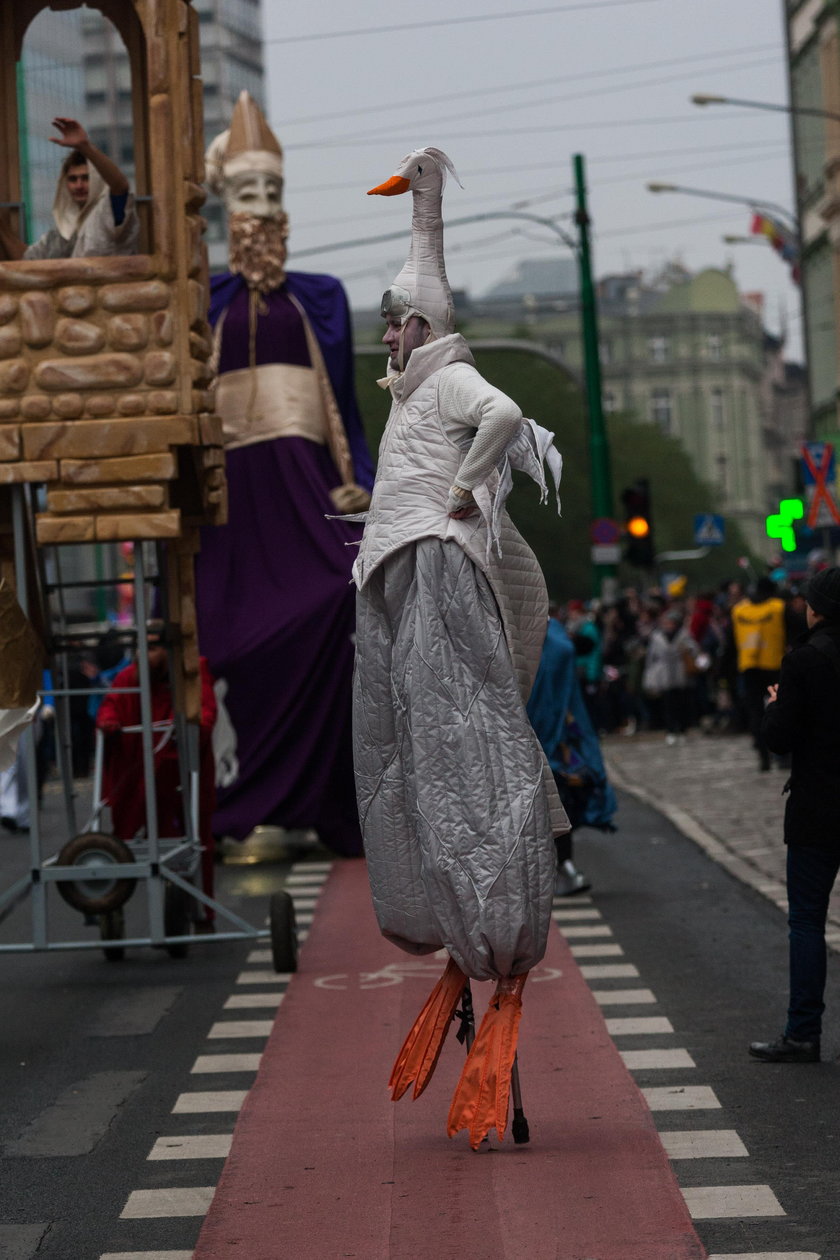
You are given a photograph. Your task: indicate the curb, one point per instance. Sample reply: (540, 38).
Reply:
(717, 849)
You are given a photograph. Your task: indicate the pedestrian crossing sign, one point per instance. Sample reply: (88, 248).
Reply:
(709, 530)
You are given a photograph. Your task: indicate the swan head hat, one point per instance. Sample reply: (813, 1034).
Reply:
(421, 287)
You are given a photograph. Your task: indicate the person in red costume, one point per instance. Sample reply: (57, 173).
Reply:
(123, 785)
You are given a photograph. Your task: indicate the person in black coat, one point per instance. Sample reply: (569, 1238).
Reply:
(803, 719)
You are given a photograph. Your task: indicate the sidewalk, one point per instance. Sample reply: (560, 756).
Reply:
(710, 788)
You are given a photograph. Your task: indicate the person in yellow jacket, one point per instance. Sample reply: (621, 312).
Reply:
(758, 624)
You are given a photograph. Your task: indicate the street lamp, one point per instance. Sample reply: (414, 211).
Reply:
(754, 203)
(703, 98)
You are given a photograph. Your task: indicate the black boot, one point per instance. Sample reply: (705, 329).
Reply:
(785, 1050)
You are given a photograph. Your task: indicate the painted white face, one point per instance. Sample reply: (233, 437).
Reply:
(255, 193)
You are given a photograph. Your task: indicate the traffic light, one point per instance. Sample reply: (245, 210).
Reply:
(638, 525)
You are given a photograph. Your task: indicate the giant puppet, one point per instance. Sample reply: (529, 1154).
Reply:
(275, 603)
(458, 805)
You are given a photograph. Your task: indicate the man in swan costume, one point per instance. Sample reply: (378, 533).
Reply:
(458, 807)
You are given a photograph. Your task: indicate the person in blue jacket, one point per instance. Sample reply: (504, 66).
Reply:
(561, 720)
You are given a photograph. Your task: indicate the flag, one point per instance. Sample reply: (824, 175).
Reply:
(780, 237)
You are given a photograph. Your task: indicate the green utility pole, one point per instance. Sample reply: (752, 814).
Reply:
(599, 451)
(23, 151)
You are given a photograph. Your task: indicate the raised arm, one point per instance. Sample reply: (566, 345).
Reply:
(74, 136)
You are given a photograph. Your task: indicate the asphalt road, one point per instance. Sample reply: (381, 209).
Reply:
(94, 1054)
(715, 955)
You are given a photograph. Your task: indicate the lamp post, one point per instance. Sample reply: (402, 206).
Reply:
(754, 203)
(703, 98)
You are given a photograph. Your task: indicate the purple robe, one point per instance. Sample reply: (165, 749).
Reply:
(275, 601)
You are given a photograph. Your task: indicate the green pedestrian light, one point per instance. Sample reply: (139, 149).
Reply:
(780, 526)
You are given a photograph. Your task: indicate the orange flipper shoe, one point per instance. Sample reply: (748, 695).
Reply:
(421, 1049)
(480, 1101)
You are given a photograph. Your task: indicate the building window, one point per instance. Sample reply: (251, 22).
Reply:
(658, 349)
(717, 409)
(661, 409)
(610, 400)
(714, 347)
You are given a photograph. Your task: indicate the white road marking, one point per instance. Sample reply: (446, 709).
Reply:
(304, 903)
(765, 1255)
(596, 951)
(570, 916)
(179, 1201)
(681, 1098)
(302, 935)
(703, 1144)
(242, 1001)
(595, 930)
(304, 918)
(262, 977)
(259, 956)
(147, 1255)
(226, 1063)
(636, 1027)
(309, 868)
(192, 1146)
(639, 1060)
(201, 1101)
(225, 1029)
(709, 1203)
(623, 997)
(609, 971)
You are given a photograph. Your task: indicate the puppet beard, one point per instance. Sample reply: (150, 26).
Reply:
(258, 250)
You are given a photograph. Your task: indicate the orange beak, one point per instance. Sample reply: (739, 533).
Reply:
(391, 188)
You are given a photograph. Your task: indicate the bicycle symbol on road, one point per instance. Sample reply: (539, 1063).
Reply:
(398, 972)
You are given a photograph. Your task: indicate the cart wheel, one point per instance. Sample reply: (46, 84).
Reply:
(284, 943)
(176, 918)
(112, 928)
(99, 895)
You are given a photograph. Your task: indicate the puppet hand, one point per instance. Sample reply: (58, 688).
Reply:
(350, 498)
(460, 503)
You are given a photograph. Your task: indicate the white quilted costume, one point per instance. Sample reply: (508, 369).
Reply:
(457, 803)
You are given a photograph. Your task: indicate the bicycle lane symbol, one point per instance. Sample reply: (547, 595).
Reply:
(398, 972)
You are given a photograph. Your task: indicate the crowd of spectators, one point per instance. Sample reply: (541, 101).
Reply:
(671, 660)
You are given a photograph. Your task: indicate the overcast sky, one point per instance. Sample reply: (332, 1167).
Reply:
(510, 100)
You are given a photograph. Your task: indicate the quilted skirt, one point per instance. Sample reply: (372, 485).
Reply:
(453, 791)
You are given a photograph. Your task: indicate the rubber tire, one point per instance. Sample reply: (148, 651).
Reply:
(284, 942)
(176, 918)
(111, 849)
(112, 928)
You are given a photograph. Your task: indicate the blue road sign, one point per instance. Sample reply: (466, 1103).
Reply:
(709, 531)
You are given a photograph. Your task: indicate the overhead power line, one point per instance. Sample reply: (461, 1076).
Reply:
(498, 89)
(589, 5)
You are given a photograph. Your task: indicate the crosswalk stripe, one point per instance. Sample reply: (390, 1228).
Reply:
(225, 1029)
(636, 1027)
(572, 916)
(609, 971)
(199, 1102)
(309, 868)
(242, 1001)
(764, 1255)
(623, 997)
(703, 1144)
(262, 977)
(681, 1098)
(177, 1201)
(596, 951)
(638, 1060)
(192, 1146)
(596, 929)
(147, 1255)
(708, 1203)
(226, 1063)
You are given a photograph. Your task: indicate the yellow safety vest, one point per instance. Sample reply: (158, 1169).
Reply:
(759, 633)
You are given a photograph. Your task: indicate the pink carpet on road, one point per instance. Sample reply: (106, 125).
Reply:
(324, 1165)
